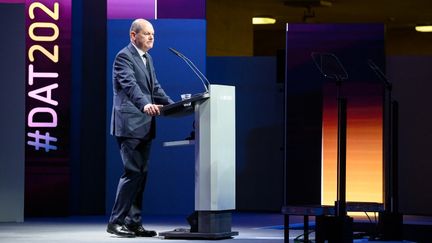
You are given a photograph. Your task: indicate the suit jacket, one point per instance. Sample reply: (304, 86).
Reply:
(133, 88)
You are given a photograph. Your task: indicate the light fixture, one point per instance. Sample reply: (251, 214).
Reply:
(423, 28)
(263, 20)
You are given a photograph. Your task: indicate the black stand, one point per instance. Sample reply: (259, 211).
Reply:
(337, 228)
(211, 225)
(390, 221)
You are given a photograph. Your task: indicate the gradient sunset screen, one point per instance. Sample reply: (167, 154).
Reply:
(364, 178)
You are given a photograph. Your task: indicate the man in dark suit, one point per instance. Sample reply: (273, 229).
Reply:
(138, 97)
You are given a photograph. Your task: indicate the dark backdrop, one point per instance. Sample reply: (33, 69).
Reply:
(88, 132)
(12, 110)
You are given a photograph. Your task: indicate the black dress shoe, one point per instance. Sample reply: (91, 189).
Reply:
(140, 231)
(119, 230)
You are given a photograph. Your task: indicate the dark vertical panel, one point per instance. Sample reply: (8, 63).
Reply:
(303, 121)
(91, 111)
(411, 78)
(77, 43)
(12, 123)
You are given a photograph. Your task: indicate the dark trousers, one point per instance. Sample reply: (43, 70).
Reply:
(135, 155)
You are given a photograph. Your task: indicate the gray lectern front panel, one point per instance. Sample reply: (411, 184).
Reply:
(215, 150)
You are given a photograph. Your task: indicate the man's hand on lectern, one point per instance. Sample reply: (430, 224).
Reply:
(152, 109)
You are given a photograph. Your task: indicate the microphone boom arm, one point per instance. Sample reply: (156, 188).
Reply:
(192, 66)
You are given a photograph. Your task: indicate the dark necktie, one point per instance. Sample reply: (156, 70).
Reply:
(147, 65)
(147, 62)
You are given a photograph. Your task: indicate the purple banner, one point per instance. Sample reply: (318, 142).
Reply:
(156, 9)
(181, 9)
(48, 78)
(131, 9)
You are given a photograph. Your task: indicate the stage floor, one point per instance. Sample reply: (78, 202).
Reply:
(252, 227)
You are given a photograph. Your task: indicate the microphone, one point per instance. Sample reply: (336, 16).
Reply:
(192, 66)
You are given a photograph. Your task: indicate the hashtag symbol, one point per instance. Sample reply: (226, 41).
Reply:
(37, 141)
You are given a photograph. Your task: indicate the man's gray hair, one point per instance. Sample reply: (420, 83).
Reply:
(136, 25)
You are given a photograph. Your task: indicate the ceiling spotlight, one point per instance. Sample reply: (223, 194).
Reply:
(263, 20)
(423, 28)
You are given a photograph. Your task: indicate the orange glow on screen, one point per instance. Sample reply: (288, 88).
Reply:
(364, 145)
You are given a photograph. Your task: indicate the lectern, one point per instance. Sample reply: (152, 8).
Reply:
(214, 161)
